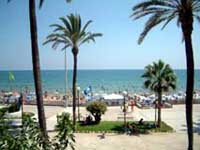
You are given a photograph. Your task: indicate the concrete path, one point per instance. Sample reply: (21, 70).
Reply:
(175, 116)
(156, 141)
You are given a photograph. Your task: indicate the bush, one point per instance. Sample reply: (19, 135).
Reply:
(64, 129)
(31, 137)
(97, 109)
(3, 111)
(13, 108)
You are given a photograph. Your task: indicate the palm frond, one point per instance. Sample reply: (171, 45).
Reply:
(72, 21)
(139, 14)
(152, 22)
(197, 18)
(159, 76)
(90, 37)
(159, 11)
(57, 27)
(66, 46)
(169, 19)
(86, 25)
(41, 3)
(66, 23)
(149, 3)
(147, 83)
(70, 33)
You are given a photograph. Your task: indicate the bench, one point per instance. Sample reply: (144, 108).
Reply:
(127, 118)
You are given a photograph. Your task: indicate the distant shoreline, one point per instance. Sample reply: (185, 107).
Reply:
(107, 81)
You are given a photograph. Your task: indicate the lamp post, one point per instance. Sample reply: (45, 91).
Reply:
(124, 109)
(65, 61)
(78, 93)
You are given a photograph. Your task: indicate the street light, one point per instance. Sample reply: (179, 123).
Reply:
(78, 93)
(65, 58)
(125, 93)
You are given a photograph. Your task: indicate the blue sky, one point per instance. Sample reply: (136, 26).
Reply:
(117, 49)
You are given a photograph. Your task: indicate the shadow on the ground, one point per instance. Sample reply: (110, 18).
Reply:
(196, 127)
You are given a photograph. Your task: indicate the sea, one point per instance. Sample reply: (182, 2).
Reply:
(106, 81)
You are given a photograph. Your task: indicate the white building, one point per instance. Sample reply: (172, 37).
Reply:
(113, 99)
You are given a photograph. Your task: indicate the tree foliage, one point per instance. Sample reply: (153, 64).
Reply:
(97, 109)
(64, 129)
(164, 11)
(31, 137)
(71, 33)
(159, 77)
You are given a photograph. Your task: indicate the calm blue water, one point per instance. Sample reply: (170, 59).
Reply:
(100, 80)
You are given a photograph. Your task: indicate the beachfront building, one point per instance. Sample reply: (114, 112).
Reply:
(113, 99)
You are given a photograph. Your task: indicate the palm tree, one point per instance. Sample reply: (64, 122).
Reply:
(165, 11)
(36, 63)
(159, 78)
(72, 34)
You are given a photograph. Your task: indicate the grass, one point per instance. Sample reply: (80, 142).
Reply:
(104, 126)
(117, 127)
(164, 128)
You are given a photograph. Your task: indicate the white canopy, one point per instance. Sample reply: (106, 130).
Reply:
(112, 96)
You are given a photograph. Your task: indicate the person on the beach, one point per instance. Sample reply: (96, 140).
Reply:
(45, 94)
(132, 105)
(57, 95)
(141, 122)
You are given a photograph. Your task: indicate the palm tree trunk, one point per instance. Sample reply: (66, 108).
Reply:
(155, 112)
(159, 108)
(74, 86)
(36, 67)
(187, 27)
(189, 88)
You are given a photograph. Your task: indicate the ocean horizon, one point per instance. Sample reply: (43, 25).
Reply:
(101, 80)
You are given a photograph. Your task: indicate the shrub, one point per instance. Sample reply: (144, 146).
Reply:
(30, 136)
(65, 134)
(3, 111)
(97, 109)
(13, 108)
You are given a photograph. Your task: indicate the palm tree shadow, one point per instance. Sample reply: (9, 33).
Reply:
(196, 127)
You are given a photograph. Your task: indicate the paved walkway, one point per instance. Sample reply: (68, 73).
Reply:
(155, 141)
(175, 116)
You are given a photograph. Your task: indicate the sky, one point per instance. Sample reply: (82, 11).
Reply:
(117, 49)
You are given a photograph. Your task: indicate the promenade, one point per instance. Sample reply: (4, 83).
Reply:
(175, 117)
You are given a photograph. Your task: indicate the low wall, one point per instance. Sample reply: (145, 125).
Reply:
(179, 102)
(47, 103)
